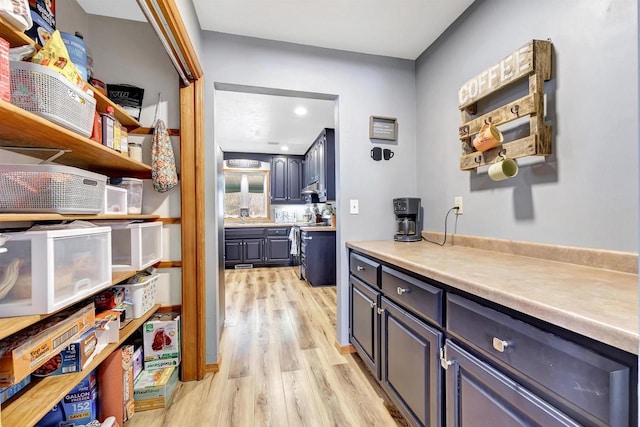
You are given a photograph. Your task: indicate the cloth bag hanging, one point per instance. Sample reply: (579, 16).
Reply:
(163, 163)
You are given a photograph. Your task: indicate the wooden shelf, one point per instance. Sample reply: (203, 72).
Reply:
(11, 325)
(17, 38)
(37, 400)
(13, 36)
(16, 217)
(21, 128)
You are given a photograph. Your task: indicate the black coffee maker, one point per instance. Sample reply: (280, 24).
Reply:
(408, 219)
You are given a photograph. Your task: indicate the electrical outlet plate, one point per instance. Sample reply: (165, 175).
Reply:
(458, 204)
(353, 207)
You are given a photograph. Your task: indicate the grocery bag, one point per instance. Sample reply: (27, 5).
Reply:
(163, 163)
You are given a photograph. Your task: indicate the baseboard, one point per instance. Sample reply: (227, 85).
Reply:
(212, 368)
(170, 308)
(345, 349)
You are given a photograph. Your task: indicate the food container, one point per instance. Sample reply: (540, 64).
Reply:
(115, 200)
(48, 94)
(22, 353)
(136, 246)
(44, 271)
(134, 193)
(78, 408)
(153, 389)
(43, 14)
(161, 337)
(72, 358)
(142, 295)
(51, 188)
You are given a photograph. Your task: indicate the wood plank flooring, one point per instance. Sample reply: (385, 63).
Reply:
(279, 365)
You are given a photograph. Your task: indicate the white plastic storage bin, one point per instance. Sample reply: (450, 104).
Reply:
(115, 200)
(44, 271)
(142, 295)
(50, 188)
(136, 246)
(134, 194)
(44, 92)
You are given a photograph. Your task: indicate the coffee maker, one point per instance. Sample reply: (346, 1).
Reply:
(408, 219)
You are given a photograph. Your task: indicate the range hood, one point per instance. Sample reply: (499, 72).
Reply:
(314, 193)
(311, 188)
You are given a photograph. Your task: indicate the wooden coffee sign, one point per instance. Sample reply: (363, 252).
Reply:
(514, 66)
(531, 61)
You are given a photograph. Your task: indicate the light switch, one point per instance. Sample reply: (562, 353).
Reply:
(353, 207)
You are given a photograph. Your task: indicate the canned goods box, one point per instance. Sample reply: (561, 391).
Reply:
(161, 338)
(24, 352)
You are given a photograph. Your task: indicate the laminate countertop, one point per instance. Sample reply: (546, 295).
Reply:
(597, 303)
(278, 224)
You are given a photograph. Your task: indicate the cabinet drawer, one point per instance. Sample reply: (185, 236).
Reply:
(243, 233)
(277, 232)
(595, 387)
(421, 297)
(365, 269)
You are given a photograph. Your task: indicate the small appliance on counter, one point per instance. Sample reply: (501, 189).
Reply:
(409, 215)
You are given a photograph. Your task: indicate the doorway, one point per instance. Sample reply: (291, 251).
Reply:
(259, 120)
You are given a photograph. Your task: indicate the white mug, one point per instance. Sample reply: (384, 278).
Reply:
(503, 168)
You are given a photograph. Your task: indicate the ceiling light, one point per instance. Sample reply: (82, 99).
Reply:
(284, 148)
(300, 111)
(273, 142)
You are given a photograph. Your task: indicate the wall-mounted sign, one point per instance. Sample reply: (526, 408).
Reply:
(383, 128)
(244, 163)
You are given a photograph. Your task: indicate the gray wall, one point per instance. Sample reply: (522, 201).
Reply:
(586, 194)
(365, 85)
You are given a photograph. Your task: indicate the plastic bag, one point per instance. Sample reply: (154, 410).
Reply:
(54, 55)
(16, 12)
(163, 163)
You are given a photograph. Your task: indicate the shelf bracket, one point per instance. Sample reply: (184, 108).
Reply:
(59, 152)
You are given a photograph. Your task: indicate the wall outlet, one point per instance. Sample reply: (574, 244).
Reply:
(457, 202)
(353, 207)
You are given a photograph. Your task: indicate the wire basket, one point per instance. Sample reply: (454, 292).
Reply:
(48, 94)
(142, 295)
(50, 188)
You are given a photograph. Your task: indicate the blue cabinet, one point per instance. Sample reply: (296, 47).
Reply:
(287, 179)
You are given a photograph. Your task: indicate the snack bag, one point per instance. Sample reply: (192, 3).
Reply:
(54, 55)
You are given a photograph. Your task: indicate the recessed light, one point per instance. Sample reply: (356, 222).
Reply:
(284, 148)
(300, 111)
(273, 142)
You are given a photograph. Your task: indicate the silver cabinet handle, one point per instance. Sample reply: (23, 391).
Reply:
(499, 344)
(360, 268)
(372, 304)
(307, 238)
(380, 310)
(401, 290)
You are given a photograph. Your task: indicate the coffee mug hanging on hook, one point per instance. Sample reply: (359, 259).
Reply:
(488, 137)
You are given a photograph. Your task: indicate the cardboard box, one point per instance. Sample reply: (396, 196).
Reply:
(43, 14)
(77, 409)
(22, 353)
(71, 359)
(137, 362)
(153, 389)
(115, 394)
(161, 338)
(109, 298)
(9, 392)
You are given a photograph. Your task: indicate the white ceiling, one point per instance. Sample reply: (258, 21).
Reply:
(246, 122)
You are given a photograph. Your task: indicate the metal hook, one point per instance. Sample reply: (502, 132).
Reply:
(487, 121)
(503, 153)
(478, 159)
(515, 110)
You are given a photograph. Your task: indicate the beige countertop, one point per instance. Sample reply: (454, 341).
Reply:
(597, 303)
(257, 224)
(321, 228)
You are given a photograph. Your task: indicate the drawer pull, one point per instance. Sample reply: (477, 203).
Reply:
(380, 310)
(372, 304)
(360, 268)
(402, 290)
(499, 344)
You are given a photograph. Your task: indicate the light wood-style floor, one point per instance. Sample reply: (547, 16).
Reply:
(279, 364)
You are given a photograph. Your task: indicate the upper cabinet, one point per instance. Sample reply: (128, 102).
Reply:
(286, 179)
(320, 166)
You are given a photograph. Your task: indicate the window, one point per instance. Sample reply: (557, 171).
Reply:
(246, 190)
